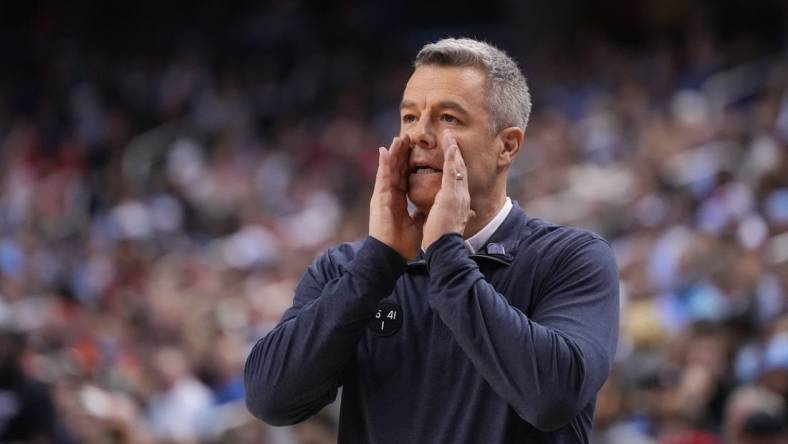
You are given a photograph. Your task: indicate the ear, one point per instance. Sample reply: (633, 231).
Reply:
(511, 141)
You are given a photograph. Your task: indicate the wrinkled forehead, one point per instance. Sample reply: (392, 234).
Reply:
(430, 84)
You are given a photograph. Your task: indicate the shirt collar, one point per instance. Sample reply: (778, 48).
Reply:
(504, 241)
(477, 241)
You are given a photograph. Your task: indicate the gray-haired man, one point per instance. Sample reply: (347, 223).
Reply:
(465, 321)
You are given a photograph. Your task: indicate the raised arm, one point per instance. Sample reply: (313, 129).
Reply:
(295, 370)
(548, 365)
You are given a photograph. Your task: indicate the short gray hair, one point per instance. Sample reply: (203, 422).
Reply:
(508, 96)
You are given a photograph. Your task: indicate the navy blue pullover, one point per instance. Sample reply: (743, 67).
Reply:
(509, 345)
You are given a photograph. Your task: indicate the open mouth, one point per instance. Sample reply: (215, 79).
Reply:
(424, 169)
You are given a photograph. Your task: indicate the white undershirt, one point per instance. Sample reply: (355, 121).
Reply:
(477, 241)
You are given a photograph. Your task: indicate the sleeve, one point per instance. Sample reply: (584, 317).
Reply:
(294, 370)
(549, 365)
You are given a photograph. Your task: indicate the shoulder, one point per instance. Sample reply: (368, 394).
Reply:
(554, 239)
(567, 260)
(331, 262)
(559, 246)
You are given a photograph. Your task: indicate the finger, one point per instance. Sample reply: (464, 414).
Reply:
(448, 141)
(381, 177)
(397, 182)
(454, 163)
(399, 163)
(450, 150)
(395, 152)
(460, 166)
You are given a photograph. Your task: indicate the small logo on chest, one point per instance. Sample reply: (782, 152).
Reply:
(387, 319)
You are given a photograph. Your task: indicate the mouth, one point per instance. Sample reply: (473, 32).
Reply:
(420, 169)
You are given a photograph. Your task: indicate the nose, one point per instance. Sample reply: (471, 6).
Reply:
(422, 134)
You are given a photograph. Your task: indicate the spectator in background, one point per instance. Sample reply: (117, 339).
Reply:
(321, 430)
(27, 413)
(165, 178)
(178, 408)
(755, 415)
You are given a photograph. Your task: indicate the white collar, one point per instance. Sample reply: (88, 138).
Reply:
(477, 241)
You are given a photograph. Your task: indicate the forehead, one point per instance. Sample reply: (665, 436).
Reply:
(430, 84)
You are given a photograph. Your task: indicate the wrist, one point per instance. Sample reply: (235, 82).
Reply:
(445, 251)
(405, 253)
(378, 262)
(430, 240)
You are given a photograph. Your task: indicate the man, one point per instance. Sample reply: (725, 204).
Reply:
(466, 321)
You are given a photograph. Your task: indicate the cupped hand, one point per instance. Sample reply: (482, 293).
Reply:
(389, 221)
(451, 210)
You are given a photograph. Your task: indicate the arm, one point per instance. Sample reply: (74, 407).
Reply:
(547, 366)
(294, 370)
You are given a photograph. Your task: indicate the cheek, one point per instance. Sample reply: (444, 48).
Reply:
(481, 165)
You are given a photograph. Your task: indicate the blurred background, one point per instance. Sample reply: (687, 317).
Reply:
(168, 170)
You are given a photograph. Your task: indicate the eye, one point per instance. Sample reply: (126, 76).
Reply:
(408, 118)
(448, 118)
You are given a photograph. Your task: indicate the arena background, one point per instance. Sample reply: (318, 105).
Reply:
(167, 171)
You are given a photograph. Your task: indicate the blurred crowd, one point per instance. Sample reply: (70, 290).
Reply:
(158, 207)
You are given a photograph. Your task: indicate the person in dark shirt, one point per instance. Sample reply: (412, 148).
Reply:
(465, 320)
(27, 413)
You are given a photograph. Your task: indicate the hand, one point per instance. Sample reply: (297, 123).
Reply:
(452, 207)
(389, 221)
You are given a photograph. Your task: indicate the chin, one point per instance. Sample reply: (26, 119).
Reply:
(422, 189)
(422, 199)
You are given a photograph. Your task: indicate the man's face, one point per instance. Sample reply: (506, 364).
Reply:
(437, 98)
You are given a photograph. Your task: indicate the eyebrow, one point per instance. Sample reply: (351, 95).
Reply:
(443, 104)
(406, 104)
